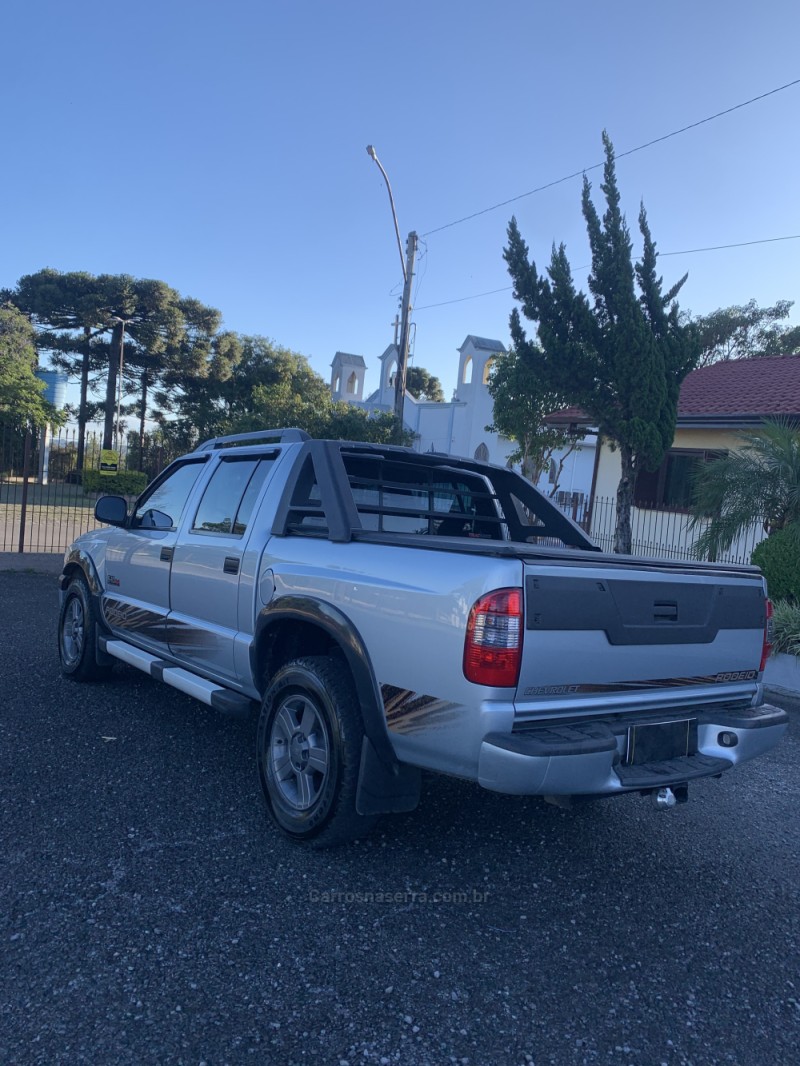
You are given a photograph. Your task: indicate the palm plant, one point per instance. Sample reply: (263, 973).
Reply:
(760, 481)
(786, 628)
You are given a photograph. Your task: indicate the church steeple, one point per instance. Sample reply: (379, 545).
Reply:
(347, 377)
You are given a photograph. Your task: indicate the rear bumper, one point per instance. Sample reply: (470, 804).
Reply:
(586, 758)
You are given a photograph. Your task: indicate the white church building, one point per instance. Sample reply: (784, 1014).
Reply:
(457, 427)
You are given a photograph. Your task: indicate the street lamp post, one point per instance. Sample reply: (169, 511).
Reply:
(374, 156)
(408, 276)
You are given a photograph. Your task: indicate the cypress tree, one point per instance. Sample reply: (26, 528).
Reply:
(620, 353)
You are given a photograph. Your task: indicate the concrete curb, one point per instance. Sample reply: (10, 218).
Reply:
(780, 697)
(32, 562)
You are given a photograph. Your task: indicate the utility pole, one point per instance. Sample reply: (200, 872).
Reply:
(110, 430)
(117, 435)
(408, 275)
(405, 312)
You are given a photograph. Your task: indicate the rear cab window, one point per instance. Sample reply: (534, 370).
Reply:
(230, 495)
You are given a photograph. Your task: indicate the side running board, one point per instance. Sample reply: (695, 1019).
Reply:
(213, 695)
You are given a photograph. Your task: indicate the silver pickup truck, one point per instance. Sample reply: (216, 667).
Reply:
(387, 612)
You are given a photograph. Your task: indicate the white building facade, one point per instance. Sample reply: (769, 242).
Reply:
(457, 427)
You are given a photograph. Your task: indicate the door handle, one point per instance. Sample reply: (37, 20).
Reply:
(166, 555)
(231, 565)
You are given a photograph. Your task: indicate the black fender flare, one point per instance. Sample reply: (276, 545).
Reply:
(78, 557)
(339, 627)
(385, 784)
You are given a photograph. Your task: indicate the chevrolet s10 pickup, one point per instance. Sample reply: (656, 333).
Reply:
(387, 612)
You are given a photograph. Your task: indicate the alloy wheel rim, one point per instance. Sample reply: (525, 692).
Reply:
(299, 752)
(72, 631)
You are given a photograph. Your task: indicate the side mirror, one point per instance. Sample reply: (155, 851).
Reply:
(112, 510)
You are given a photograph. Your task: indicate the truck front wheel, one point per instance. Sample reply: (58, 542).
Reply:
(77, 635)
(310, 735)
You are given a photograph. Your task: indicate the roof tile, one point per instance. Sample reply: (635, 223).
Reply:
(767, 386)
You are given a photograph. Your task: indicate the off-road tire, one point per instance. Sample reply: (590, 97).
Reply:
(77, 635)
(310, 734)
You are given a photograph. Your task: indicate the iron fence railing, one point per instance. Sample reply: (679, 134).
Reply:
(659, 533)
(45, 500)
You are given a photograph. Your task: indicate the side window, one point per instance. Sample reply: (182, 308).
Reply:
(161, 508)
(670, 486)
(229, 496)
(245, 511)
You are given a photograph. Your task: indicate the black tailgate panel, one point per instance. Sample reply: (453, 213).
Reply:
(642, 612)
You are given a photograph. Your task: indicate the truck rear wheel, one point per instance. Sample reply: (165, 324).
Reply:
(310, 735)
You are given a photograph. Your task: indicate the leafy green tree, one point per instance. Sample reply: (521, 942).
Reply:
(67, 311)
(232, 388)
(22, 401)
(522, 399)
(251, 383)
(87, 322)
(758, 482)
(746, 331)
(347, 422)
(280, 404)
(423, 386)
(620, 356)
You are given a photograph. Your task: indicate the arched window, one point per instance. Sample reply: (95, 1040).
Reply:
(482, 453)
(391, 370)
(336, 382)
(466, 377)
(351, 383)
(487, 371)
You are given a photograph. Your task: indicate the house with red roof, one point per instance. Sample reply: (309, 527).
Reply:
(717, 405)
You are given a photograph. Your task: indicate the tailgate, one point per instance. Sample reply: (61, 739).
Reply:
(616, 638)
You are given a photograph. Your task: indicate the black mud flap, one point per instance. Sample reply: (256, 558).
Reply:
(384, 789)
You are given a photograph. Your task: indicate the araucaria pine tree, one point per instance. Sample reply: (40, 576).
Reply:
(619, 354)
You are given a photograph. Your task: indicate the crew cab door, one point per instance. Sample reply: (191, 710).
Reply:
(138, 557)
(204, 584)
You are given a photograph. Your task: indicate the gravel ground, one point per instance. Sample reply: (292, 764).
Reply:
(151, 914)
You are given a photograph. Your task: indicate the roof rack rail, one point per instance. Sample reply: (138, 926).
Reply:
(268, 436)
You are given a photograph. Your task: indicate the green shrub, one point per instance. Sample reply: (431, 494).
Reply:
(786, 628)
(125, 483)
(779, 559)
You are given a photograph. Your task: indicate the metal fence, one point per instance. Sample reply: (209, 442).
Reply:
(658, 533)
(45, 500)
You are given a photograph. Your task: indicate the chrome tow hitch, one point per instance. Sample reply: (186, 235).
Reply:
(664, 799)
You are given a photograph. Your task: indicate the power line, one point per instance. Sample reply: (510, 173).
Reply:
(463, 299)
(741, 244)
(685, 251)
(618, 155)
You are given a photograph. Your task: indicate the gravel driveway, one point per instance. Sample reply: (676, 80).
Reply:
(150, 913)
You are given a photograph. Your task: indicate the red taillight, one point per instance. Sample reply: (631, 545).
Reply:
(493, 648)
(766, 647)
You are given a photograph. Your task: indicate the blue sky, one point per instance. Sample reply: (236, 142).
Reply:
(221, 148)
